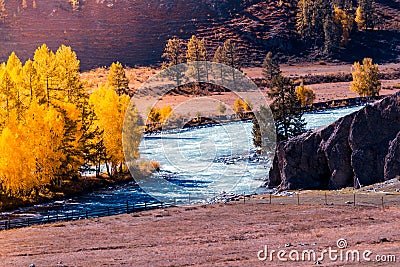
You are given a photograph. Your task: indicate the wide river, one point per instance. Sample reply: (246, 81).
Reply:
(196, 165)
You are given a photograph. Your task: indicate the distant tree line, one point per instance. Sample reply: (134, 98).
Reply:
(332, 23)
(195, 50)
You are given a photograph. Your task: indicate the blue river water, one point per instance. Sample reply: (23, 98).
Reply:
(200, 163)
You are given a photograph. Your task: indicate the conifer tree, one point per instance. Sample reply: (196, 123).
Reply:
(14, 68)
(344, 22)
(310, 19)
(196, 51)
(91, 141)
(360, 18)
(303, 19)
(320, 10)
(270, 67)
(174, 55)
(286, 108)
(45, 64)
(7, 90)
(117, 79)
(30, 81)
(45, 128)
(365, 15)
(232, 59)
(332, 31)
(67, 83)
(219, 70)
(263, 130)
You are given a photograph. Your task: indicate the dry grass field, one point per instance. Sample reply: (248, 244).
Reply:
(209, 235)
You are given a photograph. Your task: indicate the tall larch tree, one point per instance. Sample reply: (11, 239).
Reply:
(270, 67)
(31, 81)
(196, 52)
(7, 90)
(14, 68)
(45, 128)
(286, 108)
(219, 70)
(110, 111)
(67, 75)
(174, 55)
(232, 59)
(365, 15)
(303, 19)
(117, 79)
(45, 64)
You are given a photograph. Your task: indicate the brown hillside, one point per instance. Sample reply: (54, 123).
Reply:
(134, 32)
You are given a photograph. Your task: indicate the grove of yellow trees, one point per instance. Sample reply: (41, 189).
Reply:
(51, 129)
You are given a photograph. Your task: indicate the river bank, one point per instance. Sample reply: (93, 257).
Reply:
(201, 121)
(70, 188)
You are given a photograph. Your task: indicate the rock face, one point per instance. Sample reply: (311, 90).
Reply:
(361, 148)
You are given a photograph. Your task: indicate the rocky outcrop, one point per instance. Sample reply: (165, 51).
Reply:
(359, 149)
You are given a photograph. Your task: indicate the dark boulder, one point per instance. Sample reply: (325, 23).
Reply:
(359, 149)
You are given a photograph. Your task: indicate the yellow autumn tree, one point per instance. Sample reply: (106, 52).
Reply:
(45, 64)
(241, 106)
(110, 110)
(16, 161)
(31, 81)
(67, 76)
(159, 114)
(166, 112)
(366, 80)
(45, 128)
(346, 21)
(30, 155)
(117, 80)
(7, 88)
(17, 93)
(305, 95)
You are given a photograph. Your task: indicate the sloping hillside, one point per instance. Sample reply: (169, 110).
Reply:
(134, 31)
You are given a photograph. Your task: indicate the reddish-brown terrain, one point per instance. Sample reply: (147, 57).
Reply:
(135, 32)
